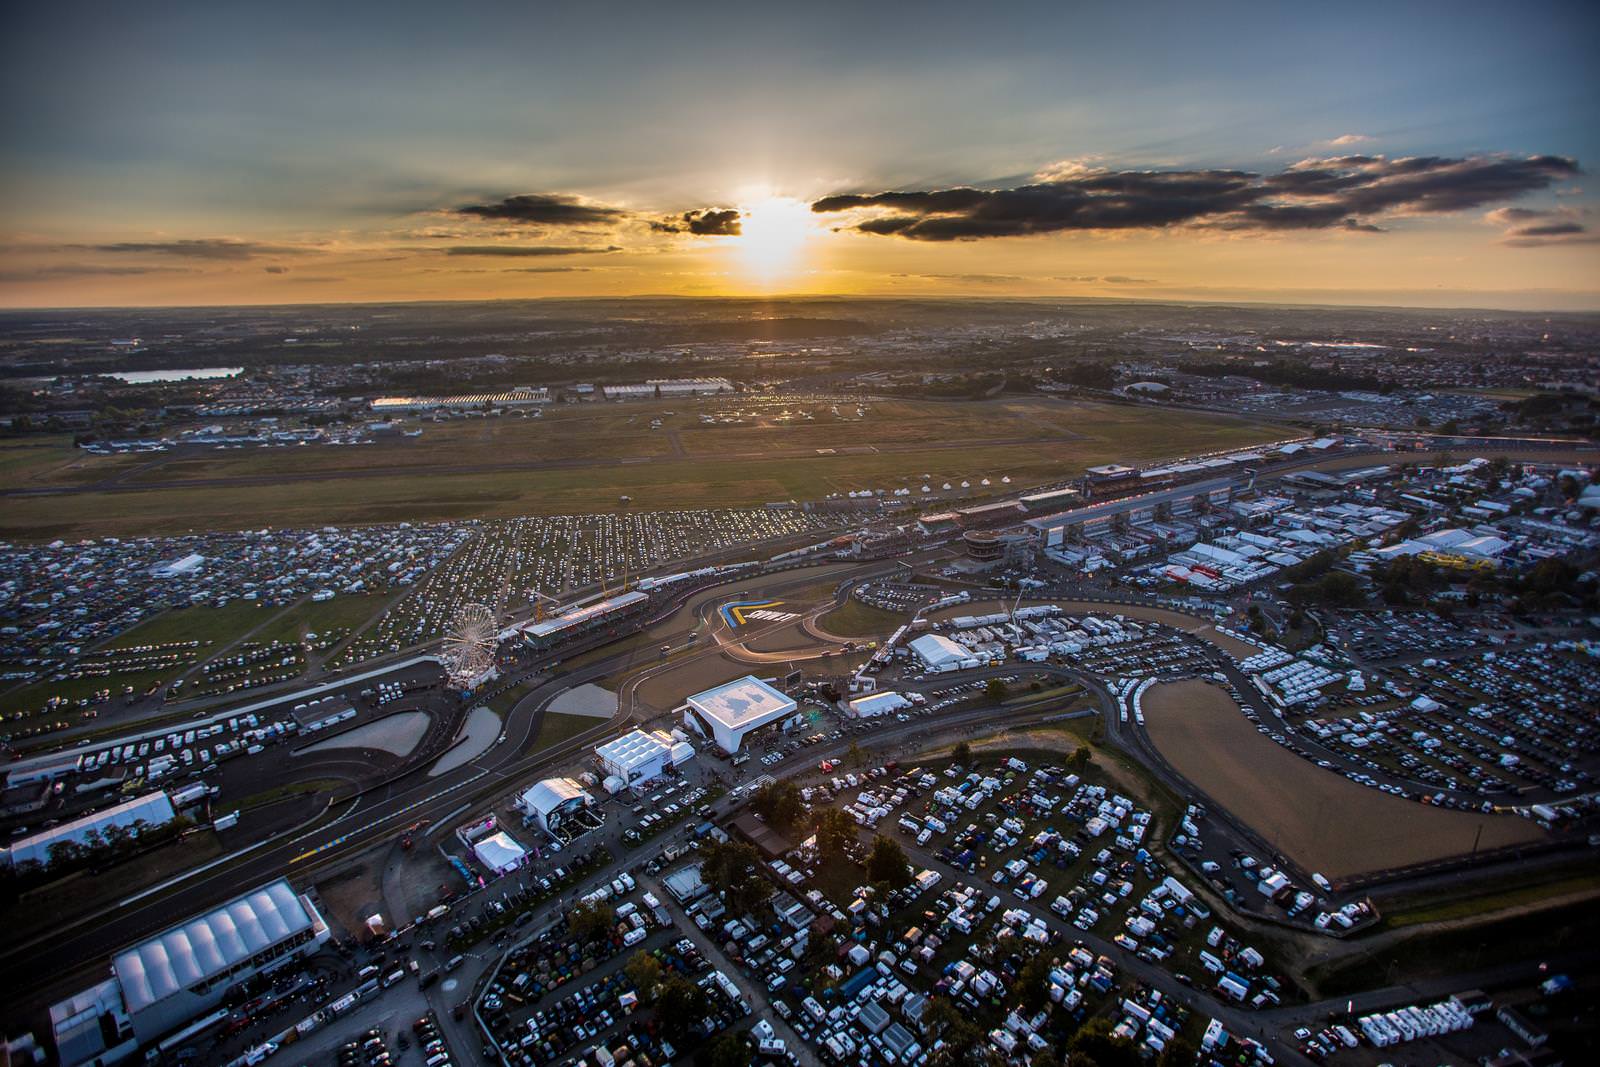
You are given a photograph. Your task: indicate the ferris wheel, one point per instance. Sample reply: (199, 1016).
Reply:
(469, 645)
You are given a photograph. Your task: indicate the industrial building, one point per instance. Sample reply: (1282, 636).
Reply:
(667, 387)
(148, 812)
(1052, 531)
(735, 709)
(159, 985)
(518, 398)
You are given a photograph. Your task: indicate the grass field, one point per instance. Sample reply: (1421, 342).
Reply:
(557, 728)
(1326, 822)
(683, 465)
(855, 619)
(340, 613)
(1480, 898)
(213, 626)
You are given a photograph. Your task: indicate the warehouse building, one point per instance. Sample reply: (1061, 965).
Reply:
(734, 710)
(146, 812)
(161, 984)
(667, 387)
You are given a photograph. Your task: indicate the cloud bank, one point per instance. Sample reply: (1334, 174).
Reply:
(546, 209)
(1342, 192)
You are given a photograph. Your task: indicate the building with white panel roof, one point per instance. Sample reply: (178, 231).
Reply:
(736, 709)
(161, 984)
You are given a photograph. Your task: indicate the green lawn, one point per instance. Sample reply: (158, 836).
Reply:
(855, 619)
(341, 613)
(557, 728)
(210, 626)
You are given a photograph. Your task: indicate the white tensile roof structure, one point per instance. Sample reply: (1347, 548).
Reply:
(550, 794)
(209, 944)
(634, 751)
(498, 851)
(733, 709)
(935, 650)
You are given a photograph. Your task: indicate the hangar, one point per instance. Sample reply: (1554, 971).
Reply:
(735, 709)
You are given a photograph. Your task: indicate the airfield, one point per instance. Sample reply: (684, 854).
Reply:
(585, 458)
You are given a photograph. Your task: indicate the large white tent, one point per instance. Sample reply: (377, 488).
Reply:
(937, 651)
(734, 709)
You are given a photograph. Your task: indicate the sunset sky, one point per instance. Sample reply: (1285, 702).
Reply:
(1395, 153)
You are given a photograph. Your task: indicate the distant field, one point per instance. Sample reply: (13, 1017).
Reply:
(584, 459)
(1326, 822)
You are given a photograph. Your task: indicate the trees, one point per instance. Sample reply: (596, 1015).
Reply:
(680, 1004)
(734, 870)
(1177, 1053)
(962, 754)
(1080, 758)
(941, 1019)
(855, 755)
(1094, 1042)
(779, 804)
(995, 690)
(589, 922)
(1032, 988)
(836, 831)
(644, 971)
(728, 1050)
(887, 863)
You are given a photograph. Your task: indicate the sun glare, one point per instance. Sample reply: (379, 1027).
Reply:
(773, 235)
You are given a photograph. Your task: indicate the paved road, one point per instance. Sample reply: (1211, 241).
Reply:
(374, 817)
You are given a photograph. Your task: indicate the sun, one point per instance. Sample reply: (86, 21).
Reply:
(773, 233)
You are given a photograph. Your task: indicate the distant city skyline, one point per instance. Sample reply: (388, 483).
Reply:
(1428, 154)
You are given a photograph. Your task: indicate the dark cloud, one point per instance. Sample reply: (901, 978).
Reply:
(546, 209)
(528, 250)
(86, 270)
(1344, 192)
(275, 269)
(712, 222)
(219, 248)
(1530, 228)
(1123, 279)
(1548, 229)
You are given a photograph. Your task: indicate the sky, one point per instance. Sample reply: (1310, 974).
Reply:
(1429, 154)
